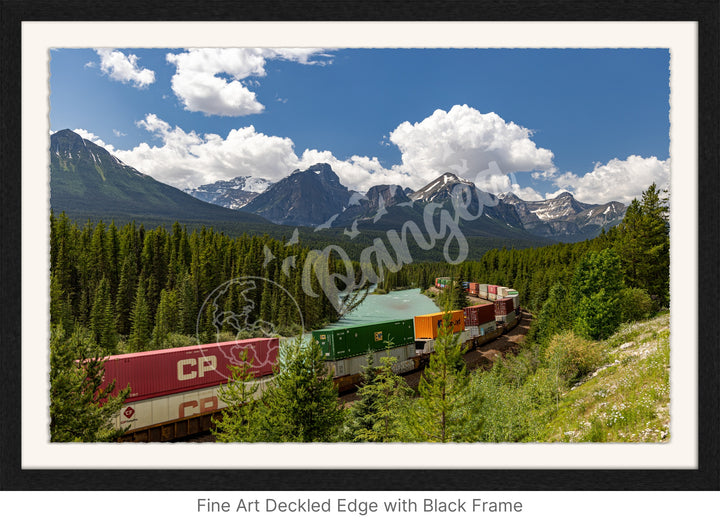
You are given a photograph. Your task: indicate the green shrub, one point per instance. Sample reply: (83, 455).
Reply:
(572, 357)
(635, 304)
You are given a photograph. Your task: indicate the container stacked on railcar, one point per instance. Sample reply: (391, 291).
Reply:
(480, 319)
(172, 387)
(492, 292)
(505, 310)
(512, 293)
(346, 349)
(504, 300)
(179, 383)
(483, 291)
(428, 326)
(442, 282)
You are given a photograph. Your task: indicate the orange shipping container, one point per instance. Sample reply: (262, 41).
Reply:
(426, 326)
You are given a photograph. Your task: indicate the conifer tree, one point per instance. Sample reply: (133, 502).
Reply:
(376, 416)
(301, 402)
(102, 323)
(80, 410)
(60, 306)
(141, 322)
(240, 420)
(441, 412)
(555, 316)
(643, 244)
(127, 289)
(595, 289)
(166, 318)
(187, 304)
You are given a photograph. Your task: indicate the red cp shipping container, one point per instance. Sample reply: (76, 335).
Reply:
(479, 314)
(474, 288)
(163, 372)
(492, 289)
(504, 306)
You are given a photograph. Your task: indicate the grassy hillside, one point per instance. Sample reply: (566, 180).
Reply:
(626, 399)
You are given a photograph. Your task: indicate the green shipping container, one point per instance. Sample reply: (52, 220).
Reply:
(351, 341)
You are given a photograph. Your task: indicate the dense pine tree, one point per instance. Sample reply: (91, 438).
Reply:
(102, 323)
(240, 420)
(166, 318)
(301, 402)
(80, 410)
(180, 267)
(643, 243)
(555, 316)
(383, 397)
(140, 322)
(440, 414)
(596, 289)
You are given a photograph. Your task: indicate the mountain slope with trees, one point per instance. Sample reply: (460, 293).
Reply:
(86, 181)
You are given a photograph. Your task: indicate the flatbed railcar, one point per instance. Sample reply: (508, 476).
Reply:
(174, 393)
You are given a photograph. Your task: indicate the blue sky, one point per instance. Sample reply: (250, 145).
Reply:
(535, 122)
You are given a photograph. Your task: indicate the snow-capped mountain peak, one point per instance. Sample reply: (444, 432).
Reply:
(232, 194)
(440, 188)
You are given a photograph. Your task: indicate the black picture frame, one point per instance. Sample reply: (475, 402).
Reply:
(705, 477)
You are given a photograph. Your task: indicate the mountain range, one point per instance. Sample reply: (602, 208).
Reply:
(316, 198)
(87, 182)
(565, 217)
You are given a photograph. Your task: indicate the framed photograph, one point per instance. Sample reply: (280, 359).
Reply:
(188, 190)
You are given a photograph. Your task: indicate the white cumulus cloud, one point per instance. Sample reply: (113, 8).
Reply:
(124, 68)
(361, 172)
(480, 147)
(201, 79)
(525, 193)
(85, 134)
(617, 180)
(188, 159)
(466, 142)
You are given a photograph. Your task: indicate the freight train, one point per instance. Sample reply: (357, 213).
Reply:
(174, 392)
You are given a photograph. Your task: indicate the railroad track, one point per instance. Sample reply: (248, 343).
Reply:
(481, 357)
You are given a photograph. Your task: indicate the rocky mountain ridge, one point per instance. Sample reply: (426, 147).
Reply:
(86, 181)
(232, 194)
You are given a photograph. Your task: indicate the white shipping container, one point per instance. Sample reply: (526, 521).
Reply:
(488, 327)
(353, 365)
(507, 319)
(168, 408)
(502, 292)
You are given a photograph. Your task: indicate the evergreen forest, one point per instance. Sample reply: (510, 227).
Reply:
(126, 289)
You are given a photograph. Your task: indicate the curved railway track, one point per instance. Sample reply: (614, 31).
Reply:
(481, 357)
